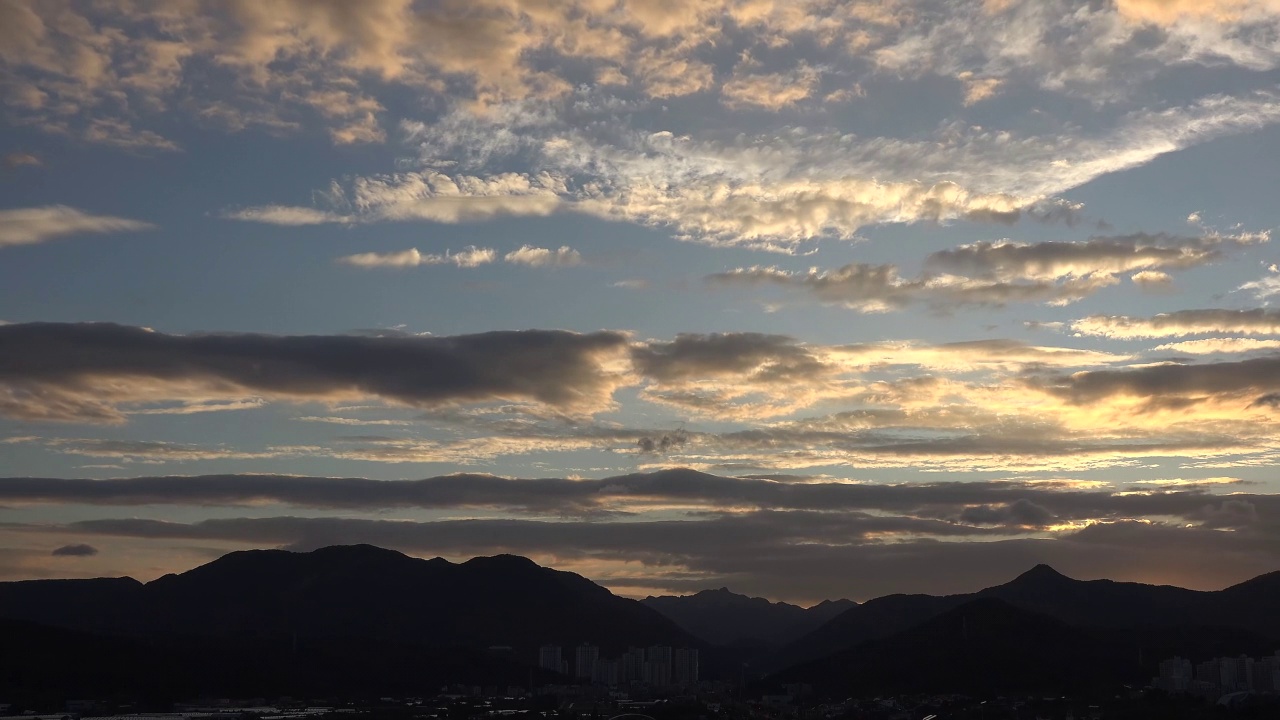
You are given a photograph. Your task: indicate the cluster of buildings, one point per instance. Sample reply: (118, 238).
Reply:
(658, 666)
(1220, 676)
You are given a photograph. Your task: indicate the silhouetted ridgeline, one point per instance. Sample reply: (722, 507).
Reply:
(360, 620)
(988, 646)
(349, 619)
(721, 617)
(357, 591)
(1248, 608)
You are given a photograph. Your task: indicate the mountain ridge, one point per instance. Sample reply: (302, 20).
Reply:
(722, 617)
(351, 591)
(1042, 589)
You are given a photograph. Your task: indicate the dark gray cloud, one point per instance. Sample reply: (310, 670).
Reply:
(663, 443)
(57, 371)
(1106, 255)
(1253, 377)
(1011, 504)
(999, 273)
(79, 550)
(767, 358)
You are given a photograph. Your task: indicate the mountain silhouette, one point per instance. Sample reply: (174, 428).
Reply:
(1085, 603)
(725, 618)
(989, 646)
(351, 592)
(364, 620)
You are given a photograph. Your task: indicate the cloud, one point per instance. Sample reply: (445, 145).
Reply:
(797, 553)
(79, 550)
(771, 91)
(1241, 379)
(879, 288)
(27, 226)
(565, 256)
(1151, 279)
(1009, 261)
(1001, 272)
(737, 374)
(284, 215)
(1262, 289)
(98, 372)
(763, 190)
(469, 257)
(1015, 505)
(1212, 346)
(1169, 12)
(21, 159)
(1181, 323)
(115, 72)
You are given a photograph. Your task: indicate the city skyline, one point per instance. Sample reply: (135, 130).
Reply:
(811, 299)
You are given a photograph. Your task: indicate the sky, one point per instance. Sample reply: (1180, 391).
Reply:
(806, 298)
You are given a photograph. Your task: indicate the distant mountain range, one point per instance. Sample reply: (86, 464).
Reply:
(1248, 607)
(725, 618)
(987, 646)
(364, 620)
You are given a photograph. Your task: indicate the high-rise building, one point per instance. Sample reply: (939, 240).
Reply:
(605, 673)
(684, 666)
(1175, 675)
(585, 660)
(631, 666)
(1236, 673)
(550, 658)
(657, 665)
(1266, 673)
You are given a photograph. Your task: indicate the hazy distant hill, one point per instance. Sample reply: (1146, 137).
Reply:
(355, 592)
(987, 645)
(1093, 603)
(725, 618)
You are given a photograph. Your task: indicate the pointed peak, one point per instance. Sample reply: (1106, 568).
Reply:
(1041, 573)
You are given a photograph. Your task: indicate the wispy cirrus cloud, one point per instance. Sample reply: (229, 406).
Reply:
(1181, 323)
(563, 256)
(469, 257)
(28, 226)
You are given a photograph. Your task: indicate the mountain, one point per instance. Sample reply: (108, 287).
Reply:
(351, 592)
(1043, 590)
(356, 619)
(989, 646)
(725, 618)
